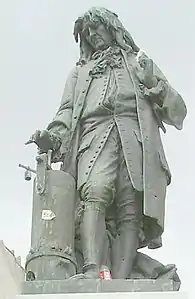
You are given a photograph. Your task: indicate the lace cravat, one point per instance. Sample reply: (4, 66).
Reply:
(110, 57)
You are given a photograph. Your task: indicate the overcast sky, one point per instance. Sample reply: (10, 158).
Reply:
(37, 51)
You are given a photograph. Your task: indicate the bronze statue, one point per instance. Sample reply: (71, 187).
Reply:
(106, 133)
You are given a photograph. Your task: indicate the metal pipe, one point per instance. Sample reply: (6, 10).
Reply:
(27, 168)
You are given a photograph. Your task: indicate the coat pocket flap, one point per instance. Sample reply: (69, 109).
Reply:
(85, 143)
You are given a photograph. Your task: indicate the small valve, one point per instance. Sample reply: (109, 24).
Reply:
(28, 172)
(27, 175)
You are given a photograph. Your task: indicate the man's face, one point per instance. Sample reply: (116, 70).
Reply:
(98, 36)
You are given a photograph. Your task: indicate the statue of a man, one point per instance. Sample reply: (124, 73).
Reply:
(106, 133)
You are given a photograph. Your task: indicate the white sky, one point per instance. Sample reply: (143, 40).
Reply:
(37, 50)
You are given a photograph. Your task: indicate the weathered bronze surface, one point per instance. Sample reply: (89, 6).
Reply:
(114, 173)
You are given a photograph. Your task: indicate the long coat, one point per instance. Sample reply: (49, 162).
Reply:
(156, 173)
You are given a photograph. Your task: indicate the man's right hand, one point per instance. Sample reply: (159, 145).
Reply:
(45, 141)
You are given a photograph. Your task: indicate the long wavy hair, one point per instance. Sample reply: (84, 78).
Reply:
(100, 15)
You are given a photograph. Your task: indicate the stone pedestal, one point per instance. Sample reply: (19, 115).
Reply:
(124, 295)
(97, 286)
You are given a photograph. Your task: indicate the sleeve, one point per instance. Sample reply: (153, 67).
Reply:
(173, 110)
(61, 123)
(63, 116)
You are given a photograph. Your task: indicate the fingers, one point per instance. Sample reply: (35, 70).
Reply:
(144, 90)
(142, 87)
(28, 142)
(45, 141)
(34, 138)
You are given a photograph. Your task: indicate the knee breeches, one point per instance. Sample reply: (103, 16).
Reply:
(110, 184)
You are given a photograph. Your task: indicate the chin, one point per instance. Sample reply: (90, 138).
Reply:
(101, 47)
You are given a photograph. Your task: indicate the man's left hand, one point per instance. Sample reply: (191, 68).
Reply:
(154, 94)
